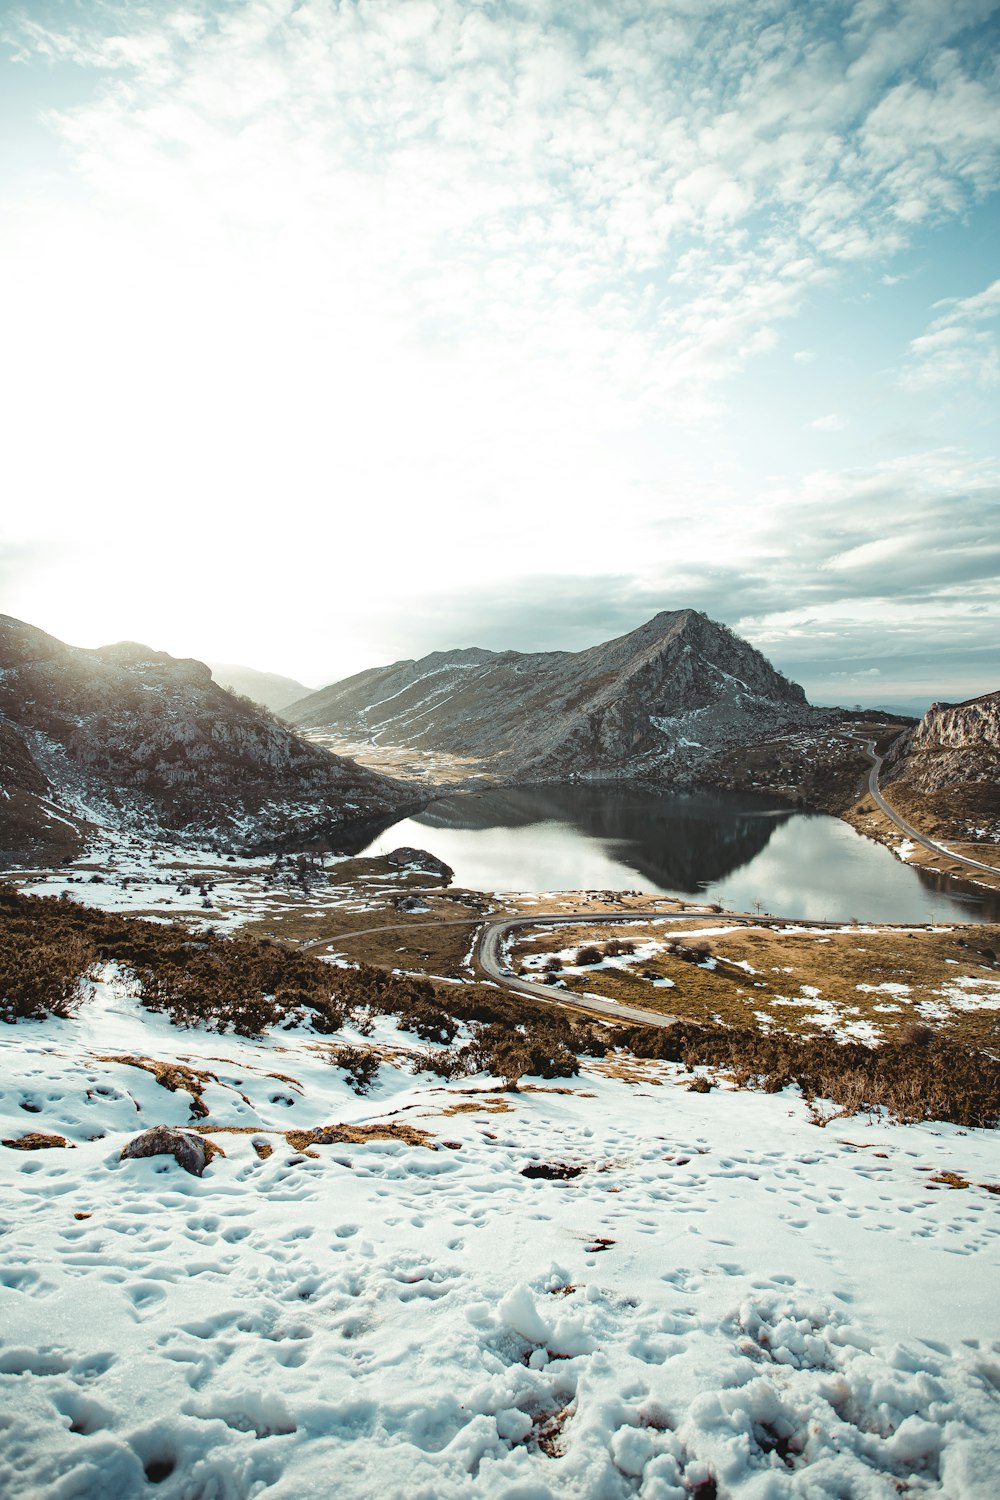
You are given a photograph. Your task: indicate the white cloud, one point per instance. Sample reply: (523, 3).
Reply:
(832, 422)
(959, 345)
(377, 297)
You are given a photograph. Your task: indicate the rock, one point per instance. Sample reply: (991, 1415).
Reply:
(944, 773)
(188, 1150)
(420, 859)
(953, 743)
(410, 903)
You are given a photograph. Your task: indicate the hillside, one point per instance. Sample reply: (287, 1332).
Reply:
(657, 702)
(137, 741)
(317, 1257)
(268, 688)
(944, 773)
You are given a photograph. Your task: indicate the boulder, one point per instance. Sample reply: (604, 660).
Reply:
(420, 859)
(190, 1151)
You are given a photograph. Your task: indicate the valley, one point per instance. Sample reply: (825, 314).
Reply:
(586, 1072)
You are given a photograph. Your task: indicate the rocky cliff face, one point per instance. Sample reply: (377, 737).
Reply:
(944, 774)
(137, 739)
(953, 743)
(657, 703)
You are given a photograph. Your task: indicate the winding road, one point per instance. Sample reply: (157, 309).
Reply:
(490, 959)
(907, 828)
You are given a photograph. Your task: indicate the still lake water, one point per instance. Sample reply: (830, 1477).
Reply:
(714, 846)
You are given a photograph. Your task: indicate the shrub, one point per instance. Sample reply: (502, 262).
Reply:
(40, 977)
(586, 956)
(360, 1067)
(443, 1062)
(510, 1054)
(935, 1080)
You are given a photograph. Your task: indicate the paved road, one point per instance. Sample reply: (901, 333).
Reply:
(489, 956)
(908, 828)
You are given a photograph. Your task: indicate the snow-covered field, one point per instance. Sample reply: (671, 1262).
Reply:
(725, 1300)
(165, 882)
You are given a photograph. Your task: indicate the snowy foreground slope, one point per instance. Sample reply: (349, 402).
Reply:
(727, 1300)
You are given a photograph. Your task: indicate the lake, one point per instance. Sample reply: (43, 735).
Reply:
(715, 846)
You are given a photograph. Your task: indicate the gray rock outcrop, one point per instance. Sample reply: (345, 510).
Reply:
(188, 1150)
(954, 743)
(422, 860)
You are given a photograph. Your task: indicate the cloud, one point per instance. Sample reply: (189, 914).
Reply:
(833, 422)
(959, 346)
(402, 316)
(895, 563)
(538, 168)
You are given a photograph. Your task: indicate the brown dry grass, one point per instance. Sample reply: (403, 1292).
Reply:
(485, 1106)
(358, 1135)
(426, 768)
(433, 946)
(175, 1076)
(834, 963)
(36, 1140)
(323, 1135)
(934, 820)
(950, 1179)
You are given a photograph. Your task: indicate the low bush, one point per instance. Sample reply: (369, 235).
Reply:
(587, 956)
(49, 947)
(42, 976)
(926, 1077)
(360, 1067)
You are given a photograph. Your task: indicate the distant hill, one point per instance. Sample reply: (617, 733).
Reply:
(269, 688)
(141, 742)
(944, 773)
(661, 700)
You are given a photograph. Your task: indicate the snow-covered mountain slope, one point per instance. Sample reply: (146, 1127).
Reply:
(134, 738)
(665, 696)
(715, 1299)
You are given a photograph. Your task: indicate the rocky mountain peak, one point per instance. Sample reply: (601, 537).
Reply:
(677, 684)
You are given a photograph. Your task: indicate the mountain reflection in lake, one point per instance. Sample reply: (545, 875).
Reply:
(719, 847)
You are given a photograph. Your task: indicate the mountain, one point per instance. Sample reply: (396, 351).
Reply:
(142, 742)
(660, 700)
(268, 688)
(945, 771)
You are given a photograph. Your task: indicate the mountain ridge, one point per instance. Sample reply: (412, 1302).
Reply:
(632, 706)
(271, 689)
(134, 739)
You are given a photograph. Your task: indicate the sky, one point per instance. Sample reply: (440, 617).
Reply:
(336, 333)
